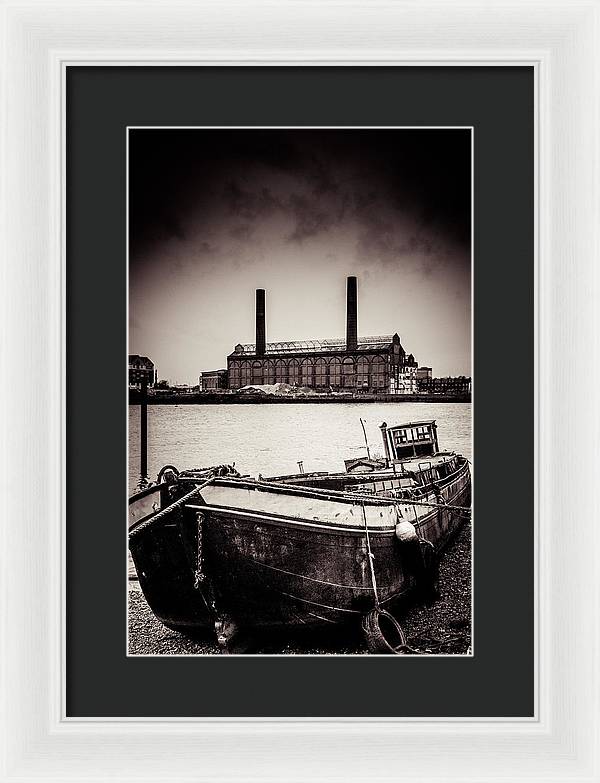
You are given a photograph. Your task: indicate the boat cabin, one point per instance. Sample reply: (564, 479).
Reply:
(415, 439)
(363, 465)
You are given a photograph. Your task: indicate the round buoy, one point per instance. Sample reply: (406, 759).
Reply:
(405, 531)
(383, 633)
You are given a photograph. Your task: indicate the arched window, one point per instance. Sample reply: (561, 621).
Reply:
(321, 373)
(257, 373)
(234, 375)
(268, 371)
(306, 368)
(281, 371)
(245, 373)
(362, 373)
(294, 372)
(335, 372)
(348, 373)
(379, 375)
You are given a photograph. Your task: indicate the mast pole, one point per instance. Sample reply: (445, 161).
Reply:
(144, 435)
(383, 428)
(366, 441)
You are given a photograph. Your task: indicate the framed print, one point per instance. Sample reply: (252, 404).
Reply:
(352, 251)
(286, 570)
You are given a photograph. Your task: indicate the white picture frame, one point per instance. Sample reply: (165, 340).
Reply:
(560, 41)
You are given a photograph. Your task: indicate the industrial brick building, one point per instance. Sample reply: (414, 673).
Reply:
(210, 380)
(366, 364)
(457, 385)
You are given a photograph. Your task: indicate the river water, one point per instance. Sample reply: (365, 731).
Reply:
(270, 439)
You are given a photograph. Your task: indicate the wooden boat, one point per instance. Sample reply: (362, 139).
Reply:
(216, 550)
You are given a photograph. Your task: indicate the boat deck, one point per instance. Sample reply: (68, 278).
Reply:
(314, 506)
(409, 465)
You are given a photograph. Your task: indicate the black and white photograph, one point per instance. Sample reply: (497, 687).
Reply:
(299, 386)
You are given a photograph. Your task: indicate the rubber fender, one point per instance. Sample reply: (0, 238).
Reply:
(405, 531)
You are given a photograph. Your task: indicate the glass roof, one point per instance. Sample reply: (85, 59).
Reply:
(307, 346)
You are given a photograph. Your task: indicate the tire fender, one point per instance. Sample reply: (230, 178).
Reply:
(383, 633)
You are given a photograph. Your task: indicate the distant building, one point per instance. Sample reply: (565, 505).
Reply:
(183, 388)
(213, 379)
(458, 385)
(423, 373)
(141, 369)
(368, 364)
(407, 379)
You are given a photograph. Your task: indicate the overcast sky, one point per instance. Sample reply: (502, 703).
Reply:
(215, 214)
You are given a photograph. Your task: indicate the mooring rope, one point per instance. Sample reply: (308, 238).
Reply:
(199, 575)
(371, 557)
(169, 509)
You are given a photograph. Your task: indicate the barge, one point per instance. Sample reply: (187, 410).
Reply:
(217, 552)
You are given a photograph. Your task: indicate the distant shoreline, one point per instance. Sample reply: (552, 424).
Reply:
(271, 399)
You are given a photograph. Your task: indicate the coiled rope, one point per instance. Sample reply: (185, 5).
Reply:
(157, 518)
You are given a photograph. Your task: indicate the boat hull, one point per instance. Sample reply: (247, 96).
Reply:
(165, 569)
(240, 562)
(267, 574)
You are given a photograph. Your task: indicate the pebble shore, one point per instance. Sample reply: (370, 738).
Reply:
(443, 627)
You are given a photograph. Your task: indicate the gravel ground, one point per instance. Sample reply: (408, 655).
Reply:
(443, 627)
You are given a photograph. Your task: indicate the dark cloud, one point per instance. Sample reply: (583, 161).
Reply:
(388, 235)
(310, 217)
(243, 231)
(401, 193)
(247, 203)
(217, 213)
(319, 174)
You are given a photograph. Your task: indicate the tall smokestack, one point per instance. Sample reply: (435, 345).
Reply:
(261, 342)
(351, 317)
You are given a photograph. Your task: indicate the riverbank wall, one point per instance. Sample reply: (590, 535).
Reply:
(208, 398)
